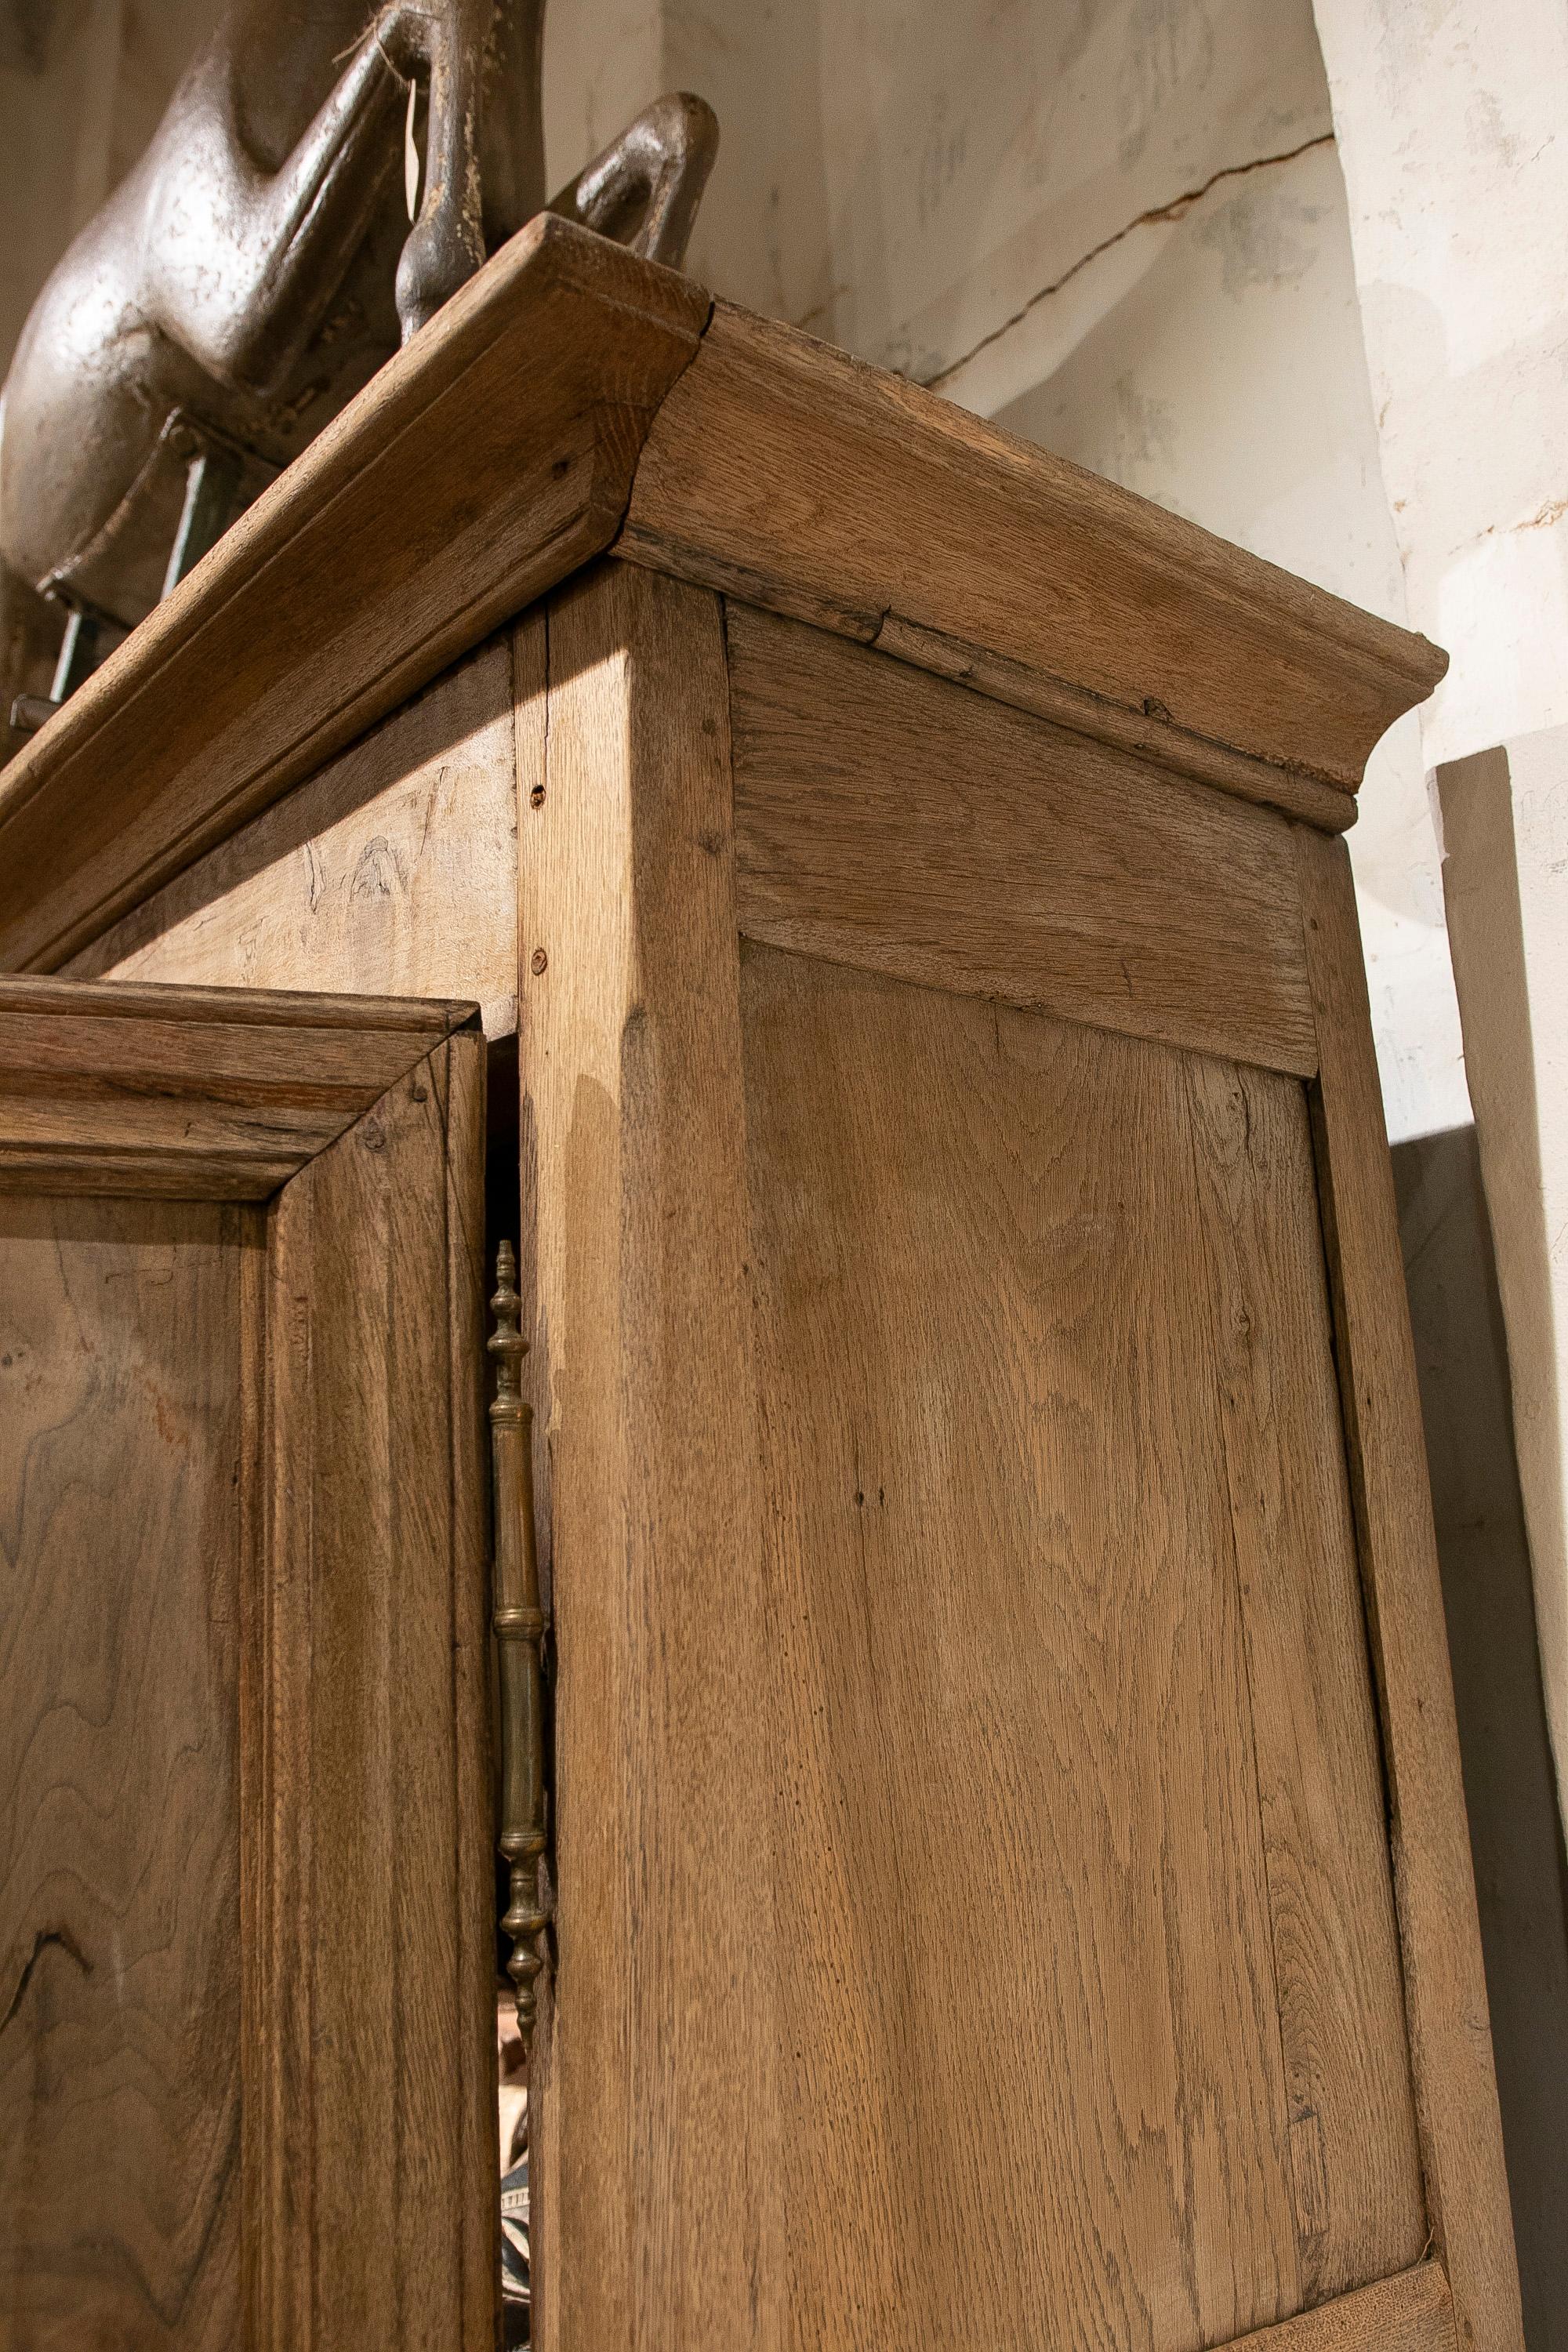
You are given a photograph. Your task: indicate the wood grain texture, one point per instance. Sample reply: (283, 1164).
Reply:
(193, 1094)
(889, 819)
(1354, 2168)
(1045, 2003)
(369, 2044)
(1411, 2313)
(792, 476)
(486, 460)
(658, 2192)
(121, 1457)
(393, 872)
(1446, 1999)
(1142, 732)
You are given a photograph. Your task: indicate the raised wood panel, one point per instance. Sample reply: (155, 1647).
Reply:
(892, 820)
(658, 2177)
(486, 461)
(787, 473)
(1060, 2049)
(247, 1956)
(393, 872)
(1354, 2168)
(1456, 2087)
(121, 1378)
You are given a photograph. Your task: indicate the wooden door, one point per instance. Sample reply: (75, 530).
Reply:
(247, 2087)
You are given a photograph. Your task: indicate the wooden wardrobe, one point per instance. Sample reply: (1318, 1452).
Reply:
(861, 904)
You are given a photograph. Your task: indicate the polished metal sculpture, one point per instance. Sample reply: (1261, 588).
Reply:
(254, 269)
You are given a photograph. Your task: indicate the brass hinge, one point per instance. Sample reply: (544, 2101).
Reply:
(520, 1639)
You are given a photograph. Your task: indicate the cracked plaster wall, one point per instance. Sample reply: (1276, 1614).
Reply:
(1119, 227)
(1450, 123)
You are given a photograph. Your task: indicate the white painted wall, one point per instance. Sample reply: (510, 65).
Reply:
(1119, 227)
(1450, 117)
(1452, 135)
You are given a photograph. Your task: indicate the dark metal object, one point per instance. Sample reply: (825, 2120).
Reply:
(258, 264)
(90, 637)
(520, 1638)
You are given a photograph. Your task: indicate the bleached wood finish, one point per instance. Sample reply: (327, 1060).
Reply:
(1314, 1736)
(889, 819)
(1087, 1964)
(790, 475)
(1412, 2313)
(244, 1787)
(486, 460)
(392, 873)
(366, 1806)
(1087, 2000)
(1446, 1996)
(191, 1093)
(1124, 726)
(658, 2091)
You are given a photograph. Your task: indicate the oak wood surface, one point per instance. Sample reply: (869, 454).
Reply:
(502, 451)
(1446, 1999)
(246, 1959)
(890, 819)
(120, 1379)
(1121, 725)
(393, 872)
(486, 461)
(1354, 2166)
(658, 2183)
(787, 474)
(370, 2072)
(1090, 2025)
(195, 1093)
(1412, 2312)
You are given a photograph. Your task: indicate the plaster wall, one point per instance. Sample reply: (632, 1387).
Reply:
(1119, 227)
(1450, 117)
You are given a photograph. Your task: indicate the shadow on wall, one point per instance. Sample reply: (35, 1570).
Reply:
(1516, 1834)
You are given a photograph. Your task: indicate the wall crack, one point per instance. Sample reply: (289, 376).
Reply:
(1175, 210)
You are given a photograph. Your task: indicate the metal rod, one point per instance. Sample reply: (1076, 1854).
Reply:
(520, 1639)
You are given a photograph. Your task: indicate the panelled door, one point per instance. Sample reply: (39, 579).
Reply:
(247, 2087)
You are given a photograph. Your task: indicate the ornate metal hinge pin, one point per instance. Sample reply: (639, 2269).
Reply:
(520, 1638)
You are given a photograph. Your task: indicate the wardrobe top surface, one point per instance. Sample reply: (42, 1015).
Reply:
(574, 401)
